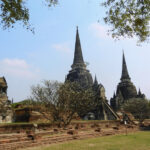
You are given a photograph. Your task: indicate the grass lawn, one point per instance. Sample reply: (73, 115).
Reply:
(135, 141)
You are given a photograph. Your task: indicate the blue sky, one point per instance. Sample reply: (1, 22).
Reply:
(26, 59)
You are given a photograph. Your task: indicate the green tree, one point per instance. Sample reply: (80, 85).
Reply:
(128, 18)
(74, 99)
(60, 102)
(45, 97)
(12, 11)
(138, 107)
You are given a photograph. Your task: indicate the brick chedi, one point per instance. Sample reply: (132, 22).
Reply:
(125, 89)
(6, 113)
(80, 74)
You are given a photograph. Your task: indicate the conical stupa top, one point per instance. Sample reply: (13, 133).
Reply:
(125, 75)
(139, 92)
(78, 58)
(114, 95)
(95, 81)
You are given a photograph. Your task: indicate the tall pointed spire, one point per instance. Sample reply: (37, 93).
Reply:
(139, 92)
(95, 81)
(78, 58)
(114, 95)
(125, 75)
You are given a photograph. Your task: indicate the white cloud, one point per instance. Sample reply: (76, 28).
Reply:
(62, 47)
(99, 30)
(17, 68)
(15, 63)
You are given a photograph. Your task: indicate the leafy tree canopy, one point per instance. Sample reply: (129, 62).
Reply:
(138, 107)
(128, 18)
(60, 102)
(12, 11)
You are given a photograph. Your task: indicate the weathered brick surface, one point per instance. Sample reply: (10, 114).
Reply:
(16, 141)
